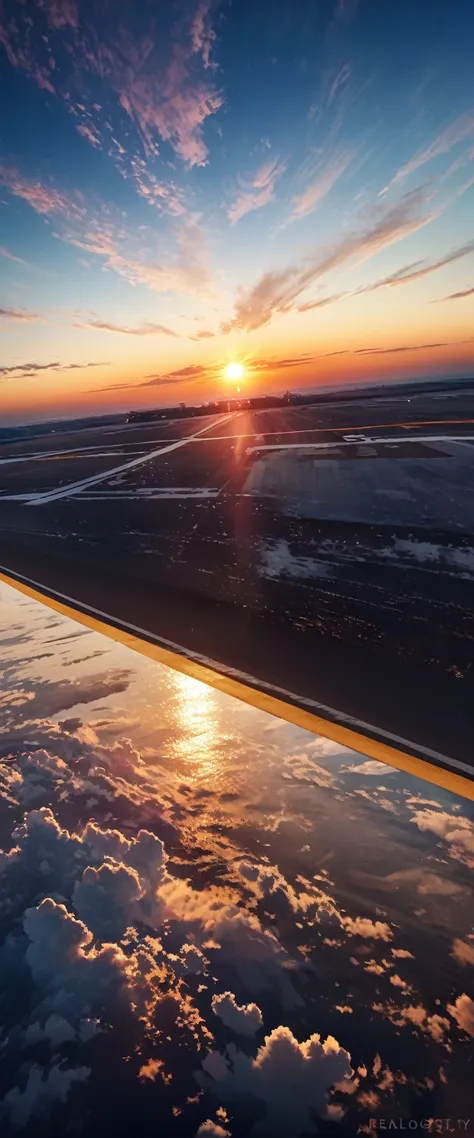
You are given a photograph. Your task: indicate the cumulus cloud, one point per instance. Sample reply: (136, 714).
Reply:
(56, 937)
(463, 1012)
(463, 950)
(259, 958)
(102, 937)
(43, 1089)
(362, 926)
(244, 1020)
(277, 291)
(291, 1079)
(416, 1017)
(76, 978)
(123, 888)
(258, 191)
(103, 898)
(211, 1129)
(457, 831)
(266, 881)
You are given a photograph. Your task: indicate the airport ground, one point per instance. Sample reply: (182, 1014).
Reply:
(324, 552)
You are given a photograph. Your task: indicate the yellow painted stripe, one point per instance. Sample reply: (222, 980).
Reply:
(371, 748)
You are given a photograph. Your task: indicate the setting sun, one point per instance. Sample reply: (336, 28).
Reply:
(234, 371)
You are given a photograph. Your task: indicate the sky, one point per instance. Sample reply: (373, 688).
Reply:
(191, 183)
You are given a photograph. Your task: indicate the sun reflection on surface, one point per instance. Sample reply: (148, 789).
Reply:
(195, 708)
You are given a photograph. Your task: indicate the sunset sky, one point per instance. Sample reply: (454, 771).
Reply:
(188, 183)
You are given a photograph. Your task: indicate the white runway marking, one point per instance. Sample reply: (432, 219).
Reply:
(17, 497)
(362, 442)
(245, 677)
(153, 492)
(77, 452)
(76, 487)
(312, 431)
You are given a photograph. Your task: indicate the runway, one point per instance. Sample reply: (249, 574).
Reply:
(323, 551)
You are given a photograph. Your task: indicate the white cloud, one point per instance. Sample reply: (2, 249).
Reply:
(371, 767)
(463, 950)
(244, 1020)
(463, 1012)
(457, 831)
(292, 1079)
(56, 938)
(364, 927)
(43, 1089)
(104, 897)
(56, 1031)
(211, 1129)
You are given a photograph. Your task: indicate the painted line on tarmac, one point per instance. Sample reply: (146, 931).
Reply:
(309, 714)
(359, 442)
(17, 497)
(87, 452)
(153, 492)
(341, 430)
(76, 487)
(76, 452)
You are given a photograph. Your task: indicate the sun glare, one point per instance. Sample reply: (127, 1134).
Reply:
(234, 371)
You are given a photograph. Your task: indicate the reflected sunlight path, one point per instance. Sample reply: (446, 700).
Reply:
(448, 773)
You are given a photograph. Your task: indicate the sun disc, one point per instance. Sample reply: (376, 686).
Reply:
(234, 371)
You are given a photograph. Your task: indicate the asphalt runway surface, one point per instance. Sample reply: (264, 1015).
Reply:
(325, 552)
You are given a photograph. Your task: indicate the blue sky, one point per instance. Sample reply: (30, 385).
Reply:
(188, 184)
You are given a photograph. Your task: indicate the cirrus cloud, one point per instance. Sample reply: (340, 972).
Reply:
(258, 192)
(145, 329)
(277, 291)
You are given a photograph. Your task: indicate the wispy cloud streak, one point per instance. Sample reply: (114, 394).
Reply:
(19, 314)
(30, 370)
(276, 292)
(11, 257)
(457, 295)
(145, 329)
(456, 132)
(330, 172)
(418, 269)
(260, 191)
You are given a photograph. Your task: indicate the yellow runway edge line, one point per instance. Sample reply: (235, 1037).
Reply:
(371, 748)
